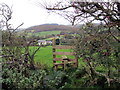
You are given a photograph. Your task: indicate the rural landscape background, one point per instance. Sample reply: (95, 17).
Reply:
(83, 55)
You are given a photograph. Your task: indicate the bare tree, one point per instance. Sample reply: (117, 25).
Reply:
(15, 47)
(75, 11)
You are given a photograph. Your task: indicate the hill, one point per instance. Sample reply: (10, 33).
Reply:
(51, 27)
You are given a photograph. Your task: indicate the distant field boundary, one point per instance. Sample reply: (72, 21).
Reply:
(44, 33)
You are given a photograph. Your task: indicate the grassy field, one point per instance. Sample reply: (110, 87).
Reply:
(45, 33)
(44, 55)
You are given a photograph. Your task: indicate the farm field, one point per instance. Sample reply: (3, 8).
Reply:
(44, 55)
(45, 33)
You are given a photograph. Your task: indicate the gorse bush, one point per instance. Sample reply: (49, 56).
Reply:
(51, 79)
(33, 79)
(13, 79)
(40, 79)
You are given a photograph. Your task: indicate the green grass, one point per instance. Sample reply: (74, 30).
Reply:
(45, 33)
(44, 55)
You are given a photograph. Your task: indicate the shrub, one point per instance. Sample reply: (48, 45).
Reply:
(55, 79)
(12, 79)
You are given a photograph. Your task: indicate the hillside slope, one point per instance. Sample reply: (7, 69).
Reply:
(51, 27)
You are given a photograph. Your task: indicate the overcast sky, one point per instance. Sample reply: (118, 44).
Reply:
(30, 13)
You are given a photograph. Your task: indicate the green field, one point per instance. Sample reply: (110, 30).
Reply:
(44, 55)
(45, 33)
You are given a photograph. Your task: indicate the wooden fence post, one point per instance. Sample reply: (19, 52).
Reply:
(54, 50)
(76, 61)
